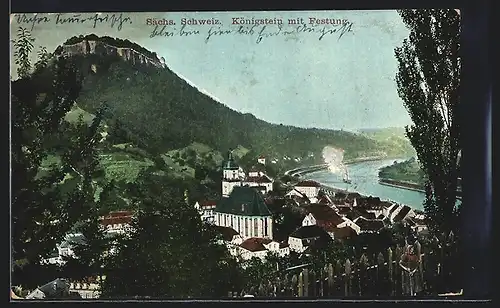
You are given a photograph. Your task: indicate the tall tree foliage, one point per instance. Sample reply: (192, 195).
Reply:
(169, 252)
(47, 199)
(428, 80)
(23, 47)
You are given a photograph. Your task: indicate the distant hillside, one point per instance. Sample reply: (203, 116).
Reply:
(408, 171)
(391, 135)
(161, 112)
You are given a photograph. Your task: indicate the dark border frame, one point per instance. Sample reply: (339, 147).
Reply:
(476, 105)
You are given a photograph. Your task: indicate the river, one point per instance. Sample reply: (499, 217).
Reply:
(364, 177)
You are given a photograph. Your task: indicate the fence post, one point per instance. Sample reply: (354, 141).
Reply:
(301, 284)
(295, 285)
(306, 282)
(381, 277)
(397, 272)
(420, 271)
(406, 282)
(363, 277)
(284, 286)
(270, 288)
(260, 290)
(322, 278)
(390, 269)
(276, 286)
(338, 283)
(347, 280)
(331, 283)
(312, 279)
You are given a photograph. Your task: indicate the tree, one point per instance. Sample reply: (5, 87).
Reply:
(47, 198)
(91, 255)
(169, 253)
(23, 47)
(428, 81)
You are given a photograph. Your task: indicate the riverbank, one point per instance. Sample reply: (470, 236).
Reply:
(309, 169)
(408, 186)
(402, 184)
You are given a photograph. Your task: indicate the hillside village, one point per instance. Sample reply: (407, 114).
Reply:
(243, 217)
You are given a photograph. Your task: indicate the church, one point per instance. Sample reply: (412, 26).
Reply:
(233, 175)
(242, 206)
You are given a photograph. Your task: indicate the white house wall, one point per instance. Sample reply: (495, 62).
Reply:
(227, 187)
(295, 244)
(349, 223)
(309, 220)
(310, 192)
(247, 255)
(268, 186)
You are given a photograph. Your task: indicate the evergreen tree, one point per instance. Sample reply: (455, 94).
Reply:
(428, 82)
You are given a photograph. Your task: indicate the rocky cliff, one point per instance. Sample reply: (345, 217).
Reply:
(131, 55)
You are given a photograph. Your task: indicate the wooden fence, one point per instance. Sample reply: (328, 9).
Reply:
(402, 271)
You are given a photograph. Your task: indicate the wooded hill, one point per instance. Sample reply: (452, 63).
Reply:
(161, 112)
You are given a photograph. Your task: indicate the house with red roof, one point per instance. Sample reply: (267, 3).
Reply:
(325, 199)
(295, 193)
(309, 188)
(327, 218)
(417, 224)
(230, 238)
(281, 248)
(305, 236)
(398, 212)
(262, 182)
(369, 225)
(118, 221)
(254, 247)
(206, 210)
(344, 233)
(255, 172)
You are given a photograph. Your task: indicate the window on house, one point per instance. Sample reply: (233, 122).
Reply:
(256, 227)
(232, 222)
(246, 226)
(265, 226)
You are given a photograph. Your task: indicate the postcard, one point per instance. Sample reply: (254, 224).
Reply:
(222, 155)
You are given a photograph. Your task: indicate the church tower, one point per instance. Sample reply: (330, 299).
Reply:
(230, 175)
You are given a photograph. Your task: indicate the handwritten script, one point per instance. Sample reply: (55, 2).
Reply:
(112, 20)
(260, 32)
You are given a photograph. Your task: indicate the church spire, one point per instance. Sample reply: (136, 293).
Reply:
(230, 164)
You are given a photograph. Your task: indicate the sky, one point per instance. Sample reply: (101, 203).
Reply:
(292, 78)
